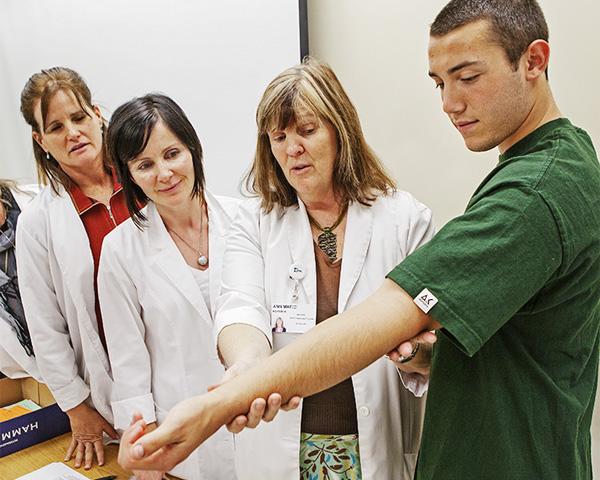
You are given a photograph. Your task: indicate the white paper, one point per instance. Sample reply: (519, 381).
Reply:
(54, 471)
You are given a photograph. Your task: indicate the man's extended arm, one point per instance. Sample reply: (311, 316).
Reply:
(326, 355)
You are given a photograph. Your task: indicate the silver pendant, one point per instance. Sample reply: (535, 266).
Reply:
(202, 261)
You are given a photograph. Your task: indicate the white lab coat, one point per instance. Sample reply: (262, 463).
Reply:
(260, 250)
(14, 361)
(56, 279)
(159, 329)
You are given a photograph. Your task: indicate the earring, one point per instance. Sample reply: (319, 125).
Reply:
(47, 156)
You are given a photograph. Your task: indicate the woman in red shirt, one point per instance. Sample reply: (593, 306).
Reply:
(60, 238)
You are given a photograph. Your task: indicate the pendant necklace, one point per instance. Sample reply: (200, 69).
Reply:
(327, 240)
(202, 259)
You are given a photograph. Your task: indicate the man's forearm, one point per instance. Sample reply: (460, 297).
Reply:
(328, 354)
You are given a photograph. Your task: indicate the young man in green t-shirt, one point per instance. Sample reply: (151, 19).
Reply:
(512, 285)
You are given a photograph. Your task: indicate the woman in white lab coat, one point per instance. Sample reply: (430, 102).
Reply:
(160, 274)
(17, 358)
(59, 241)
(328, 227)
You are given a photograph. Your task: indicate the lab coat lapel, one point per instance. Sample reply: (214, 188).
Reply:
(217, 236)
(167, 257)
(359, 229)
(72, 249)
(301, 248)
(74, 256)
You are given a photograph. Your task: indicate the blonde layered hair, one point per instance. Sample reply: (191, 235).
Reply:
(312, 87)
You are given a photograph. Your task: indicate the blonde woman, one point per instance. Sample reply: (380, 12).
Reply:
(327, 227)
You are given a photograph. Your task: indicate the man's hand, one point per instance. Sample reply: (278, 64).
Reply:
(185, 427)
(421, 363)
(146, 474)
(87, 426)
(260, 410)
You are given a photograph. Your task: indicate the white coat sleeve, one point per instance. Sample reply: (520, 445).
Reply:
(48, 328)
(125, 331)
(420, 230)
(242, 298)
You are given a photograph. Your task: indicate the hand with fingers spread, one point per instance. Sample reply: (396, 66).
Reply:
(260, 410)
(88, 427)
(414, 355)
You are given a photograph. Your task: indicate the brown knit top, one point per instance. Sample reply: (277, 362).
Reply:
(332, 412)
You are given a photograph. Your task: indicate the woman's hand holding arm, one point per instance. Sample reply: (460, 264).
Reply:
(241, 347)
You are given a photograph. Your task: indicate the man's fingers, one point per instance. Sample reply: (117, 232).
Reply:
(99, 449)
(136, 417)
(163, 459)
(71, 449)
(163, 436)
(134, 432)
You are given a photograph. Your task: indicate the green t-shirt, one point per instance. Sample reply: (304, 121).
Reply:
(517, 278)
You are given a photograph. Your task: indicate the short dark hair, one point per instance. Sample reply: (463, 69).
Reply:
(128, 134)
(515, 23)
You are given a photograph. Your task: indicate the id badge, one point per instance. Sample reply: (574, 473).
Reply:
(293, 317)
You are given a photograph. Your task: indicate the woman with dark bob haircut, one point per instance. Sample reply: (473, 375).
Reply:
(160, 274)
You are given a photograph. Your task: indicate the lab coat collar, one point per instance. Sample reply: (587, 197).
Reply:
(168, 258)
(357, 237)
(218, 227)
(73, 254)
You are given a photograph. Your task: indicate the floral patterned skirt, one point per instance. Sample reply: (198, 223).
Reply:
(331, 457)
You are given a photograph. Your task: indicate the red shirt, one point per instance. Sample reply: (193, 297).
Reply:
(98, 221)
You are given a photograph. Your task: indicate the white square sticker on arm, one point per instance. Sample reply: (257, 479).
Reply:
(425, 300)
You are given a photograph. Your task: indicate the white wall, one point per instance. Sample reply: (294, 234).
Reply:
(213, 57)
(378, 49)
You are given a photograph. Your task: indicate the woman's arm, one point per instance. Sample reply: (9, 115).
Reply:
(242, 299)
